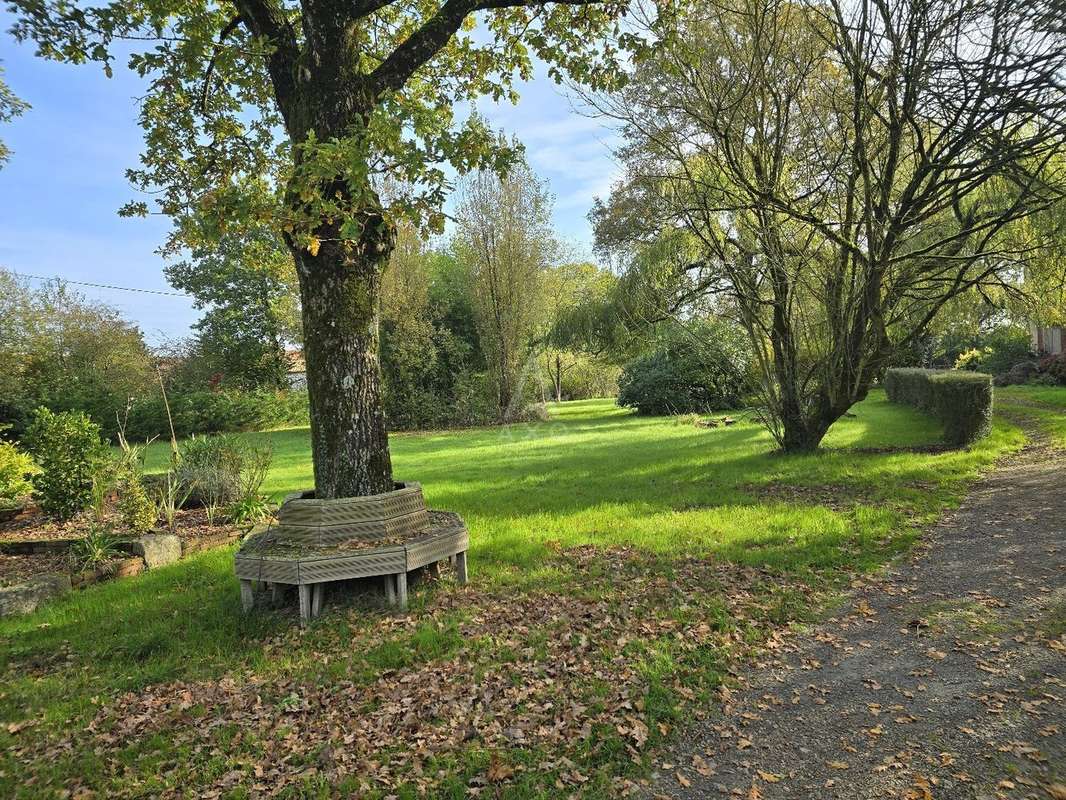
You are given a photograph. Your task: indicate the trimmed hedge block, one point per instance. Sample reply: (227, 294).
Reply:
(960, 400)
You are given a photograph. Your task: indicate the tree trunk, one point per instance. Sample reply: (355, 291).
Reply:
(339, 291)
(804, 430)
(801, 435)
(504, 393)
(558, 378)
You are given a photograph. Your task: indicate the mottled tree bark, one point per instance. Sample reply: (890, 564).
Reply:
(340, 293)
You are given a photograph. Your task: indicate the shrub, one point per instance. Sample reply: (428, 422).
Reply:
(1054, 367)
(475, 403)
(962, 401)
(1004, 347)
(16, 469)
(703, 368)
(137, 509)
(972, 359)
(68, 448)
(219, 471)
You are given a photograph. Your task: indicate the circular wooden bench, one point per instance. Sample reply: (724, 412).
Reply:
(319, 541)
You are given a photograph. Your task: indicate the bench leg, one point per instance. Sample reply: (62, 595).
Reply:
(304, 591)
(247, 595)
(401, 590)
(317, 592)
(390, 590)
(460, 567)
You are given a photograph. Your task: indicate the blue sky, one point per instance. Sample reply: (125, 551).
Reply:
(60, 193)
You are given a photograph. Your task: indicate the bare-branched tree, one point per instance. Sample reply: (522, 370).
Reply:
(844, 169)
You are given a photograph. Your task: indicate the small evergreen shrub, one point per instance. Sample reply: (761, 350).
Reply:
(70, 453)
(705, 367)
(962, 401)
(137, 509)
(16, 471)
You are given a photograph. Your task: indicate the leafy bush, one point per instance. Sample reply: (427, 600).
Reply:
(206, 412)
(475, 403)
(996, 351)
(16, 470)
(1004, 348)
(138, 511)
(962, 401)
(219, 471)
(1054, 367)
(701, 368)
(68, 448)
(972, 359)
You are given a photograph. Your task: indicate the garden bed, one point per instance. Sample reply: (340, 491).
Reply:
(16, 568)
(33, 545)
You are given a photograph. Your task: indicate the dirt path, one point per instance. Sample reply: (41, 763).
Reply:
(947, 679)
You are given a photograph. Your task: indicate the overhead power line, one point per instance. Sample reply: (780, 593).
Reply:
(103, 285)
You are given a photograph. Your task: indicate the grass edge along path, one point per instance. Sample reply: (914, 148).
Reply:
(622, 568)
(1042, 407)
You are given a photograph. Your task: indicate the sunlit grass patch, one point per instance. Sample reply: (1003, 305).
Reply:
(619, 564)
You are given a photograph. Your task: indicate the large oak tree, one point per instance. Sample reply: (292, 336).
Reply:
(296, 113)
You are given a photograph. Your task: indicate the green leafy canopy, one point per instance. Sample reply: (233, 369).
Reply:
(298, 114)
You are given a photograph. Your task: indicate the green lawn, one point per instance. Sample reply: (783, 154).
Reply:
(1042, 406)
(619, 565)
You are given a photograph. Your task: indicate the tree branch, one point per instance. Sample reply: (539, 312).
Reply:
(266, 20)
(427, 41)
(364, 8)
(231, 26)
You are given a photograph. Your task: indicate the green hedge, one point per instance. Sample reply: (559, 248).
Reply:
(961, 400)
(227, 411)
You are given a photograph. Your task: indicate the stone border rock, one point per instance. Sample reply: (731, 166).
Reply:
(25, 598)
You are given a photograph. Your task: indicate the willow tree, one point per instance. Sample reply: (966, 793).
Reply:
(297, 112)
(844, 170)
